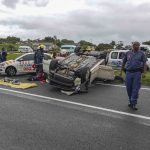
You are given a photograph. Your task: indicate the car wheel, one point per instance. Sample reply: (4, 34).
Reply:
(11, 71)
(85, 74)
(53, 64)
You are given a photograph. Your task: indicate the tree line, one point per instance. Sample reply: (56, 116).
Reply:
(11, 42)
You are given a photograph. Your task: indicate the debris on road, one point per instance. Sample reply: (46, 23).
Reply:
(14, 83)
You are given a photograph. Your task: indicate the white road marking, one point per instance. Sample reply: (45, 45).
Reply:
(122, 86)
(77, 104)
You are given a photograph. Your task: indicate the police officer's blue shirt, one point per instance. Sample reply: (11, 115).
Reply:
(134, 60)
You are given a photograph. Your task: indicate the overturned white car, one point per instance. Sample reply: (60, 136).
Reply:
(76, 72)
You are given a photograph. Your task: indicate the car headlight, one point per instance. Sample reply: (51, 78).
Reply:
(77, 81)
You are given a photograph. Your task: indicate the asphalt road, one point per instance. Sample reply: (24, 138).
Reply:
(46, 119)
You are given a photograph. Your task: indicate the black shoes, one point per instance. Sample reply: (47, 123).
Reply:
(132, 107)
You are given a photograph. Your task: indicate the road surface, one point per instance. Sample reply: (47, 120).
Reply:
(42, 118)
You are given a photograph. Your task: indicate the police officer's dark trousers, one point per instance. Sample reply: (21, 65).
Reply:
(133, 84)
(39, 68)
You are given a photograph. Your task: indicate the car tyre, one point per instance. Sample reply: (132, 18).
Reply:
(85, 74)
(85, 77)
(11, 71)
(53, 64)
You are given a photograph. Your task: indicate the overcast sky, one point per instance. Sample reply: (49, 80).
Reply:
(93, 20)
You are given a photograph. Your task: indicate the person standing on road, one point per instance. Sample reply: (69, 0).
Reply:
(134, 64)
(38, 59)
(0, 56)
(3, 55)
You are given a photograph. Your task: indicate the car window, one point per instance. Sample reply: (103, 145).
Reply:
(46, 57)
(27, 57)
(114, 55)
(121, 55)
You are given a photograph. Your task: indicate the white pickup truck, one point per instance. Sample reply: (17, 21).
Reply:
(115, 58)
(148, 63)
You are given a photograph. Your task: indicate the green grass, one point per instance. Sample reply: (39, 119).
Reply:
(145, 81)
(13, 56)
(9, 46)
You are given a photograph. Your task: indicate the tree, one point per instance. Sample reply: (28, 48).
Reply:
(58, 42)
(11, 47)
(146, 43)
(119, 45)
(128, 47)
(49, 39)
(84, 44)
(66, 41)
(2, 40)
(113, 43)
(12, 39)
(103, 46)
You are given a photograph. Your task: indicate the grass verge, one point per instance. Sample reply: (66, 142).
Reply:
(12, 56)
(145, 81)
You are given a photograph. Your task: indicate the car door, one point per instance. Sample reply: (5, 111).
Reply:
(46, 62)
(121, 56)
(112, 61)
(25, 63)
(148, 63)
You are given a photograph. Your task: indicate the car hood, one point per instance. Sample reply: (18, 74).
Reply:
(76, 62)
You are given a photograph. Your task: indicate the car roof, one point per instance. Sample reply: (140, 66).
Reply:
(29, 54)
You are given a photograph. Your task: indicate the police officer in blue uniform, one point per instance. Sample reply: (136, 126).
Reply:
(134, 64)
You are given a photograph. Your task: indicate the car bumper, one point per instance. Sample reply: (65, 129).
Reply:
(61, 82)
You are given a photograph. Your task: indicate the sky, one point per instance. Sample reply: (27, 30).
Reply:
(97, 21)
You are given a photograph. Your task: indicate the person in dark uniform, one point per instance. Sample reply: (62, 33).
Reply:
(0, 56)
(38, 59)
(78, 50)
(134, 64)
(3, 55)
